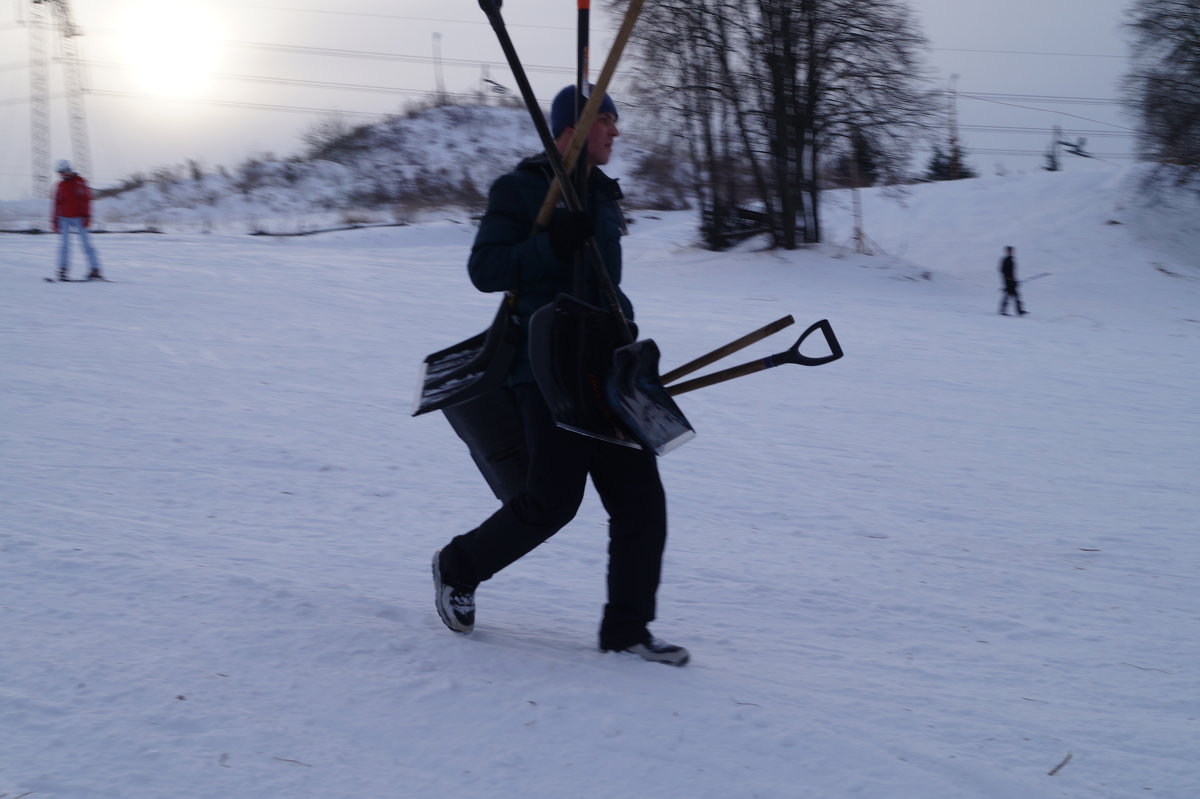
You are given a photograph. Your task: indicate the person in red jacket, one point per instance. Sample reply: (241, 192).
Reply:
(73, 211)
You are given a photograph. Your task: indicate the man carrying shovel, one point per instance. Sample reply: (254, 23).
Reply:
(536, 269)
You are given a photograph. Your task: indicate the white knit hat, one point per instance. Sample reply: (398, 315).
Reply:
(64, 166)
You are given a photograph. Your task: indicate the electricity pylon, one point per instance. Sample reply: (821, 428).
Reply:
(39, 80)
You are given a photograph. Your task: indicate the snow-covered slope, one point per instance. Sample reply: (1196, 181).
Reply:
(934, 569)
(402, 170)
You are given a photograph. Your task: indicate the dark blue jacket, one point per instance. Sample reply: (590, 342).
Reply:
(506, 258)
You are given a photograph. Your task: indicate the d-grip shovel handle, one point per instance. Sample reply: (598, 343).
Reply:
(794, 356)
(791, 355)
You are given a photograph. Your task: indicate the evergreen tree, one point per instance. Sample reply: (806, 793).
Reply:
(860, 164)
(941, 165)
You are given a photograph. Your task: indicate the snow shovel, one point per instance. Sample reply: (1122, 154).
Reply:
(635, 393)
(475, 366)
(571, 345)
(491, 427)
(634, 378)
(790, 355)
(560, 345)
(469, 368)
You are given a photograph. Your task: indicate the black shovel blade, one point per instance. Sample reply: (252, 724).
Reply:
(635, 392)
(570, 350)
(491, 427)
(467, 369)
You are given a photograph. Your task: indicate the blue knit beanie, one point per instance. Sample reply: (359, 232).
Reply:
(562, 110)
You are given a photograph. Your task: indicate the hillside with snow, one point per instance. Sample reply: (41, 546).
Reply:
(957, 563)
(408, 168)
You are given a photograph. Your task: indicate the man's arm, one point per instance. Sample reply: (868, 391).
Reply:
(505, 257)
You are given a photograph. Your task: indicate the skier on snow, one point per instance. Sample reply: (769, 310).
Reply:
(73, 212)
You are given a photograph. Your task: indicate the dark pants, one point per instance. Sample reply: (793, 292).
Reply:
(559, 462)
(1010, 293)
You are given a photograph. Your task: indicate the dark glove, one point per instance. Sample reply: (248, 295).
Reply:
(569, 232)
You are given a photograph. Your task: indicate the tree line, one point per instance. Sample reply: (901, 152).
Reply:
(770, 101)
(1162, 88)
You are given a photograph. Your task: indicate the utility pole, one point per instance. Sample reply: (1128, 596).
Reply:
(437, 68)
(952, 115)
(860, 238)
(1053, 163)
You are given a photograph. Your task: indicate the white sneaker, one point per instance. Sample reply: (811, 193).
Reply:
(658, 651)
(455, 606)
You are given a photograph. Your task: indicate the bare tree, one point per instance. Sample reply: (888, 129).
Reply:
(1163, 88)
(764, 91)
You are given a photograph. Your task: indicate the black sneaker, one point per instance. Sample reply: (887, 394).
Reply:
(95, 275)
(658, 651)
(62, 275)
(455, 606)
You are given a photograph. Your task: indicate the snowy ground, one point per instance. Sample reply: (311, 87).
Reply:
(931, 570)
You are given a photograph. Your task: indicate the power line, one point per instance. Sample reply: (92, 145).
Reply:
(1050, 98)
(1043, 131)
(1042, 153)
(298, 109)
(1045, 110)
(299, 82)
(376, 15)
(991, 97)
(1025, 52)
(373, 55)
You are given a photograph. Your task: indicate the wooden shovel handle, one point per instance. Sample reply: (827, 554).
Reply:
(719, 377)
(791, 355)
(728, 349)
(584, 125)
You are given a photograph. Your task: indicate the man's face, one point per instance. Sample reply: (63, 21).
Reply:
(600, 140)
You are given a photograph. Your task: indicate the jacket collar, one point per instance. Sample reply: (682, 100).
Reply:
(597, 181)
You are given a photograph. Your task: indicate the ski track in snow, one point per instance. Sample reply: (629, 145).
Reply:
(934, 568)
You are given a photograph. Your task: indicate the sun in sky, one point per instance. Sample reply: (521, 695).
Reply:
(173, 46)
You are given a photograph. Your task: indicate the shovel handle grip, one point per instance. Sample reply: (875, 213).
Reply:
(791, 355)
(835, 348)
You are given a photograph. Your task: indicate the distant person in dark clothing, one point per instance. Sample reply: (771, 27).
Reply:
(73, 211)
(1008, 270)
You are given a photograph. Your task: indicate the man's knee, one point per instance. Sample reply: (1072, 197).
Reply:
(553, 512)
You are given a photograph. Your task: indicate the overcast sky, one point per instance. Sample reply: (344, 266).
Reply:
(220, 81)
